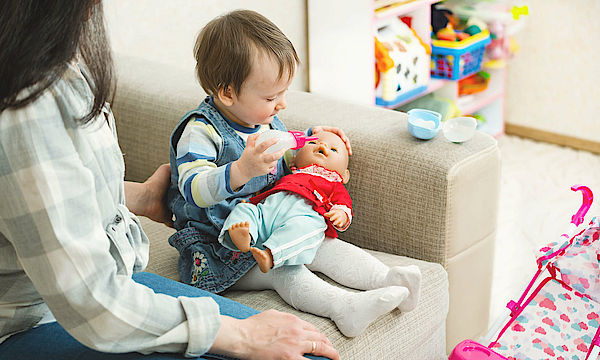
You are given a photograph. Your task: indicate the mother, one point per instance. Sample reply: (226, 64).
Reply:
(71, 248)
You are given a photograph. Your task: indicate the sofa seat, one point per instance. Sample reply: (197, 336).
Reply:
(419, 334)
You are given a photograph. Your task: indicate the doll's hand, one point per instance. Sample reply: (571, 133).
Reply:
(339, 132)
(254, 162)
(338, 218)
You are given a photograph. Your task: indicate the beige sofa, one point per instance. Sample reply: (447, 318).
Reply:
(430, 203)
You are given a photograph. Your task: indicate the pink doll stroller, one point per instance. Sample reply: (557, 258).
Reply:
(558, 314)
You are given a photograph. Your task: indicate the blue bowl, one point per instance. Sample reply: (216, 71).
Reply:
(423, 124)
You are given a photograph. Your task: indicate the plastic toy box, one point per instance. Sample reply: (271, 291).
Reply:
(456, 60)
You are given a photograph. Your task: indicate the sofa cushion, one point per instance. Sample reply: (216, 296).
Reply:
(419, 334)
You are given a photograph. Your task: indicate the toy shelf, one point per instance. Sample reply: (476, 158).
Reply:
(433, 86)
(341, 44)
(341, 56)
(492, 98)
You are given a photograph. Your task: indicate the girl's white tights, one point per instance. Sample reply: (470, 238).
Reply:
(352, 312)
(353, 267)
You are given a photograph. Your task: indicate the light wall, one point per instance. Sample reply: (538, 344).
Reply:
(553, 84)
(165, 31)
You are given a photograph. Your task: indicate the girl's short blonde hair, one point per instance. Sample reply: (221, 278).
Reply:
(226, 46)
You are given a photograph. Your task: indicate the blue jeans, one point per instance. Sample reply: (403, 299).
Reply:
(52, 342)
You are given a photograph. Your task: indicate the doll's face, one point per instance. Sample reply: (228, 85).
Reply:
(328, 151)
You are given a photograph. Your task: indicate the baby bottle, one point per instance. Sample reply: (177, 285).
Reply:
(285, 140)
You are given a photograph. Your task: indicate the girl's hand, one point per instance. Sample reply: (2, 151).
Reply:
(254, 162)
(271, 335)
(338, 218)
(339, 132)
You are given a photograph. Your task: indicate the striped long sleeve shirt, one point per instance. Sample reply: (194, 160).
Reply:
(201, 182)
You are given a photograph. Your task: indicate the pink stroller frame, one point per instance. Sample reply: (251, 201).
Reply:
(555, 317)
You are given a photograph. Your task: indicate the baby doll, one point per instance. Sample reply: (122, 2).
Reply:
(298, 214)
(286, 224)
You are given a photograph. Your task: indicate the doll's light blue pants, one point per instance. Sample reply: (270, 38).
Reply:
(285, 223)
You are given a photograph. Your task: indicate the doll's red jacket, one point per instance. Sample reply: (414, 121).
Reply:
(322, 188)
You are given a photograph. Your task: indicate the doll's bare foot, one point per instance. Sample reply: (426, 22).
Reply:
(240, 235)
(263, 258)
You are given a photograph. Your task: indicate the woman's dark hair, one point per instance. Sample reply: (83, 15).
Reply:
(37, 40)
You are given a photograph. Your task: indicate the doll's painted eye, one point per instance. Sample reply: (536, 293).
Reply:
(312, 142)
(334, 150)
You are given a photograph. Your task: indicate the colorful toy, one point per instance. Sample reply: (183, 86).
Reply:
(557, 315)
(401, 63)
(473, 84)
(503, 19)
(471, 350)
(518, 11)
(457, 60)
(447, 33)
(383, 61)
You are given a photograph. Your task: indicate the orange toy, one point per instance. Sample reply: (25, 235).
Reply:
(473, 84)
(384, 61)
(447, 33)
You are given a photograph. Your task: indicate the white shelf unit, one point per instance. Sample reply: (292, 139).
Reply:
(489, 103)
(341, 57)
(341, 44)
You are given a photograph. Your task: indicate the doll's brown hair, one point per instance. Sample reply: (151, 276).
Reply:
(226, 46)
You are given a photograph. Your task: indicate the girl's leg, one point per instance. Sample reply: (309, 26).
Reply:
(352, 312)
(351, 266)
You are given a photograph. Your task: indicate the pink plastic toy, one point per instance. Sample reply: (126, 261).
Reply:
(471, 350)
(588, 198)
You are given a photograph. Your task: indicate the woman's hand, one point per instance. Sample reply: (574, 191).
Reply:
(149, 198)
(271, 335)
(339, 132)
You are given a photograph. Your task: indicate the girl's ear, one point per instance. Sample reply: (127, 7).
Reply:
(346, 176)
(226, 95)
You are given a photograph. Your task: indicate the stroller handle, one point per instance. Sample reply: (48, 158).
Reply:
(588, 198)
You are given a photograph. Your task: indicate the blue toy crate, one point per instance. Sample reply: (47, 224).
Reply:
(468, 52)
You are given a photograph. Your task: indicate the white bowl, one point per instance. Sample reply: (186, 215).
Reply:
(459, 129)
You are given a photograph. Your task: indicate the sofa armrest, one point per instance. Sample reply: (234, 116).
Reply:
(431, 200)
(403, 188)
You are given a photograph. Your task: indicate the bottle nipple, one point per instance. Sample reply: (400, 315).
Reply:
(301, 139)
